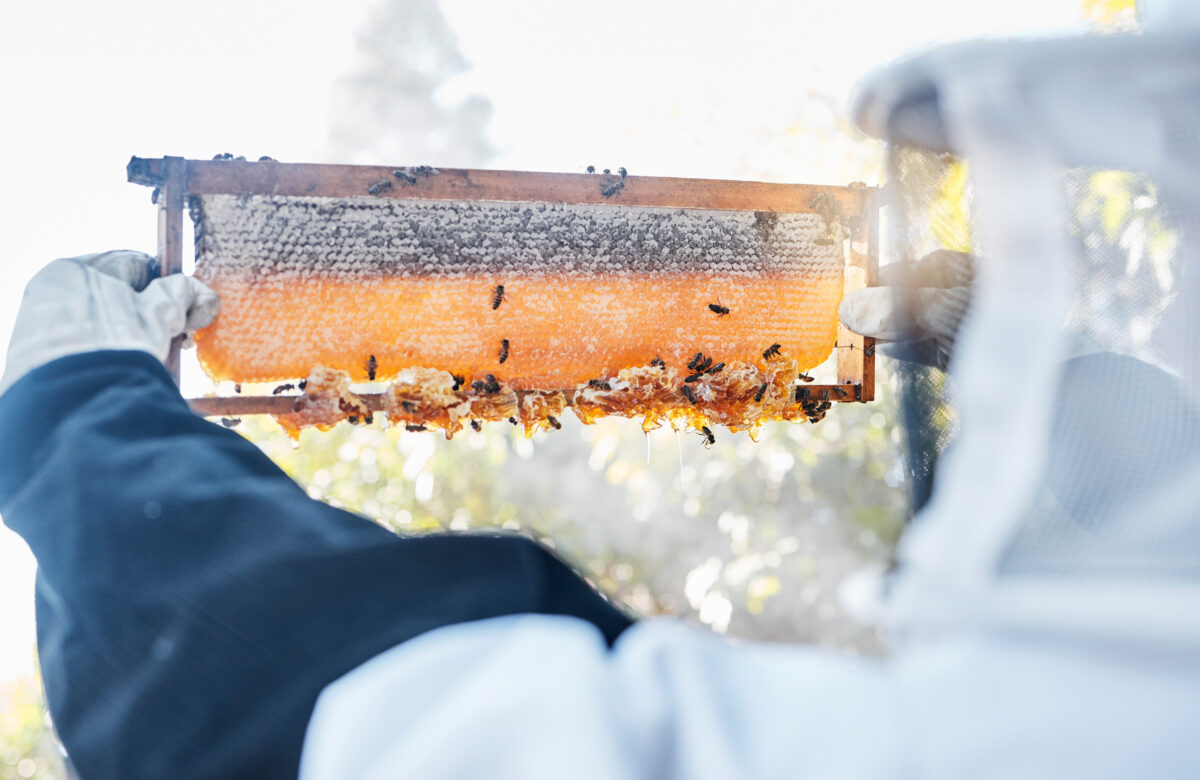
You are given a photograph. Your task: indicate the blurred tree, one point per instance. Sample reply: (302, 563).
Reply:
(398, 103)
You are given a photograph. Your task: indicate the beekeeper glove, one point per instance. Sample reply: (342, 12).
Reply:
(111, 300)
(918, 307)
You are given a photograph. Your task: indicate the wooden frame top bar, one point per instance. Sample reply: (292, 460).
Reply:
(238, 177)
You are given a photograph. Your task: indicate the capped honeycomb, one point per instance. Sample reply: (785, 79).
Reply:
(379, 287)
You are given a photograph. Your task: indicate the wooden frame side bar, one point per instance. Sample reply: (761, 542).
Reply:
(171, 193)
(237, 177)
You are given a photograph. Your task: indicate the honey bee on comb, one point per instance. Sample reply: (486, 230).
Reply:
(497, 296)
(503, 350)
(372, 365)
(719, 310)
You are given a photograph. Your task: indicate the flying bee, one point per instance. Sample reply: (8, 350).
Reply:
(415, 428)
(554, 423)
(613, 188)
(497, 296)
(231, 422)
(503, 350)
(458, 381)
(688, 393)
(771, 351)
(383, 185)
(476, 426)
(762, 390)
(622, 171)
(283, 388)
(693, 377)
(718, 309)
(715, 369)
(709, 438)
(591, 169)
(599, 384)
(695, 361)
(372, 364)
(804, 377)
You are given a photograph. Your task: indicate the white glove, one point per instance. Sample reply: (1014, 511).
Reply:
(919, 306)
(105, 301)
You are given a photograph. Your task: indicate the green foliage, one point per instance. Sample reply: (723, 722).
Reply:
(28, 748)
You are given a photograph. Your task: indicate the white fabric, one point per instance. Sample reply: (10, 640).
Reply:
(540, 697)
(103, 301)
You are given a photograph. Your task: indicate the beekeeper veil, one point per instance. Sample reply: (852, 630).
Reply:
(1056, 461)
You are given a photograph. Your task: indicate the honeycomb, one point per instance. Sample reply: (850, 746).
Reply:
(541, 297)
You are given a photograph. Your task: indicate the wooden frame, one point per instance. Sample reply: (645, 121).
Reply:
(176, 178)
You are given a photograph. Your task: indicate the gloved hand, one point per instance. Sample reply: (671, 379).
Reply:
(918, 306)
(104, 301)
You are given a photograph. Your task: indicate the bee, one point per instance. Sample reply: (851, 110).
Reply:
(709, 438)
(512, 420)
(613, 188)
(762, 390)
(503, 350)
(405, 175)
(154, 196)
(409, 406)
(694, 377)
(695, 361)
(369, 418)
(303, 384)
(492, 387)
(383, 185)
(415, 428)
(479, 386)
(265, 158)
(554, 423)
(689, 393)
(476, 426)
(658, 363)
(372, 364)
(231, 422)
(283, 388)
(425, 170)
(599, 384)
(225, 156)
(607, 172)
(716, 369)
(591, 169)
(718, 309)
(622, 171)
(802, 395)
(840, 392)
(804, 377)
(870, 351)
(771, 351)
(703, 365)
(352, 419)
(237, 388)
(458, 381)
(497, 296)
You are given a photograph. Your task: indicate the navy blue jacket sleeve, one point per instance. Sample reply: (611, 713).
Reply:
(193, 600)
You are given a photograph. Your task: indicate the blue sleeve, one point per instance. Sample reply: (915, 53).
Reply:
(193, 600)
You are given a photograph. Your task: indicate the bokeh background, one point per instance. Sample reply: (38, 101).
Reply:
(752, 539)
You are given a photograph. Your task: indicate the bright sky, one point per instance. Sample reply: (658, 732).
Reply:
(662, 88)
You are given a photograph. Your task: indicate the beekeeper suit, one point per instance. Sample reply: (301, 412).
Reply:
(200, 616)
